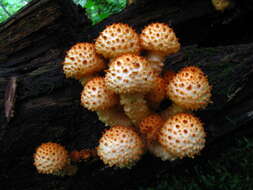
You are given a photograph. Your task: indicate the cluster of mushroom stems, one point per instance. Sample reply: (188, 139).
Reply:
(124, 82)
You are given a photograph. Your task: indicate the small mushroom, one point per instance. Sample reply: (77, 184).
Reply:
(182, 135)
(52, 158)
(81, 62)
(190, 89)
(120, 146)
(97, 97)
(117, 39)
(160, 41)
(132, 77)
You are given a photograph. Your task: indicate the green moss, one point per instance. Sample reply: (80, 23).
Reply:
(232, 169)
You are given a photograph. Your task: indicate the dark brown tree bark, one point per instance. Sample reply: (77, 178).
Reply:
(46, 106)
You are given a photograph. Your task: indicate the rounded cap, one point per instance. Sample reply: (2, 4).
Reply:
(120, 146)
(82, 60)
(50, 158)
(130, 74)
(96, 96)
(150, 126)
(159, 37)
(190, 89)
(182, 135)
(117, 39)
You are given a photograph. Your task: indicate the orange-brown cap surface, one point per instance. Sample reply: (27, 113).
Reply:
(150, 126)
(120, 146)
(50, 158)
(130, 74)
(190, 89)
(96, 96)
(158, 93)
(159, 37)
(117, 39)
(80, 60)
(182, 135)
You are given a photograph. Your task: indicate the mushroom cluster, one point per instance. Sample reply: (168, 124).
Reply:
(124, 82)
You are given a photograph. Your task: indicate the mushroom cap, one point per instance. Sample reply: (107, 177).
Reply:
(150, 126)
(130, 74)
(190, 89)
(159, 37)
(80, 60)
(50, 158)
(117, 39)
(96, 96)
(120, 146)
(182, 135)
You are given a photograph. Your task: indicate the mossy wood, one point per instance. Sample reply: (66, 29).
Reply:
(46, 106)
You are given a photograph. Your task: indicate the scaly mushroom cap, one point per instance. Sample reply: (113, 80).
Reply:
(96, 96)
(159, 37)
(182, 135)
(130, 74)
(50, 158)
(150, 126)
(120, 146)
(82, 60)
(117, 39)
(190, 89)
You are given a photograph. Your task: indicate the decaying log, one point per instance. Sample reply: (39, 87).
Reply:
(47, 106)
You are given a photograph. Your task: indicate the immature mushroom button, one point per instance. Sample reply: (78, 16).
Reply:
(120, 146)
(117, 39)
(81, 61)
(159, 40)
(190, 89)
(182, 135)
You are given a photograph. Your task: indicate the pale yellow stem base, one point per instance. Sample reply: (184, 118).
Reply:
(135, 107)
(114, 116)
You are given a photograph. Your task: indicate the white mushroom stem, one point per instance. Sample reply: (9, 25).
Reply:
(156, 60)
(114, 116)
(135, 106)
